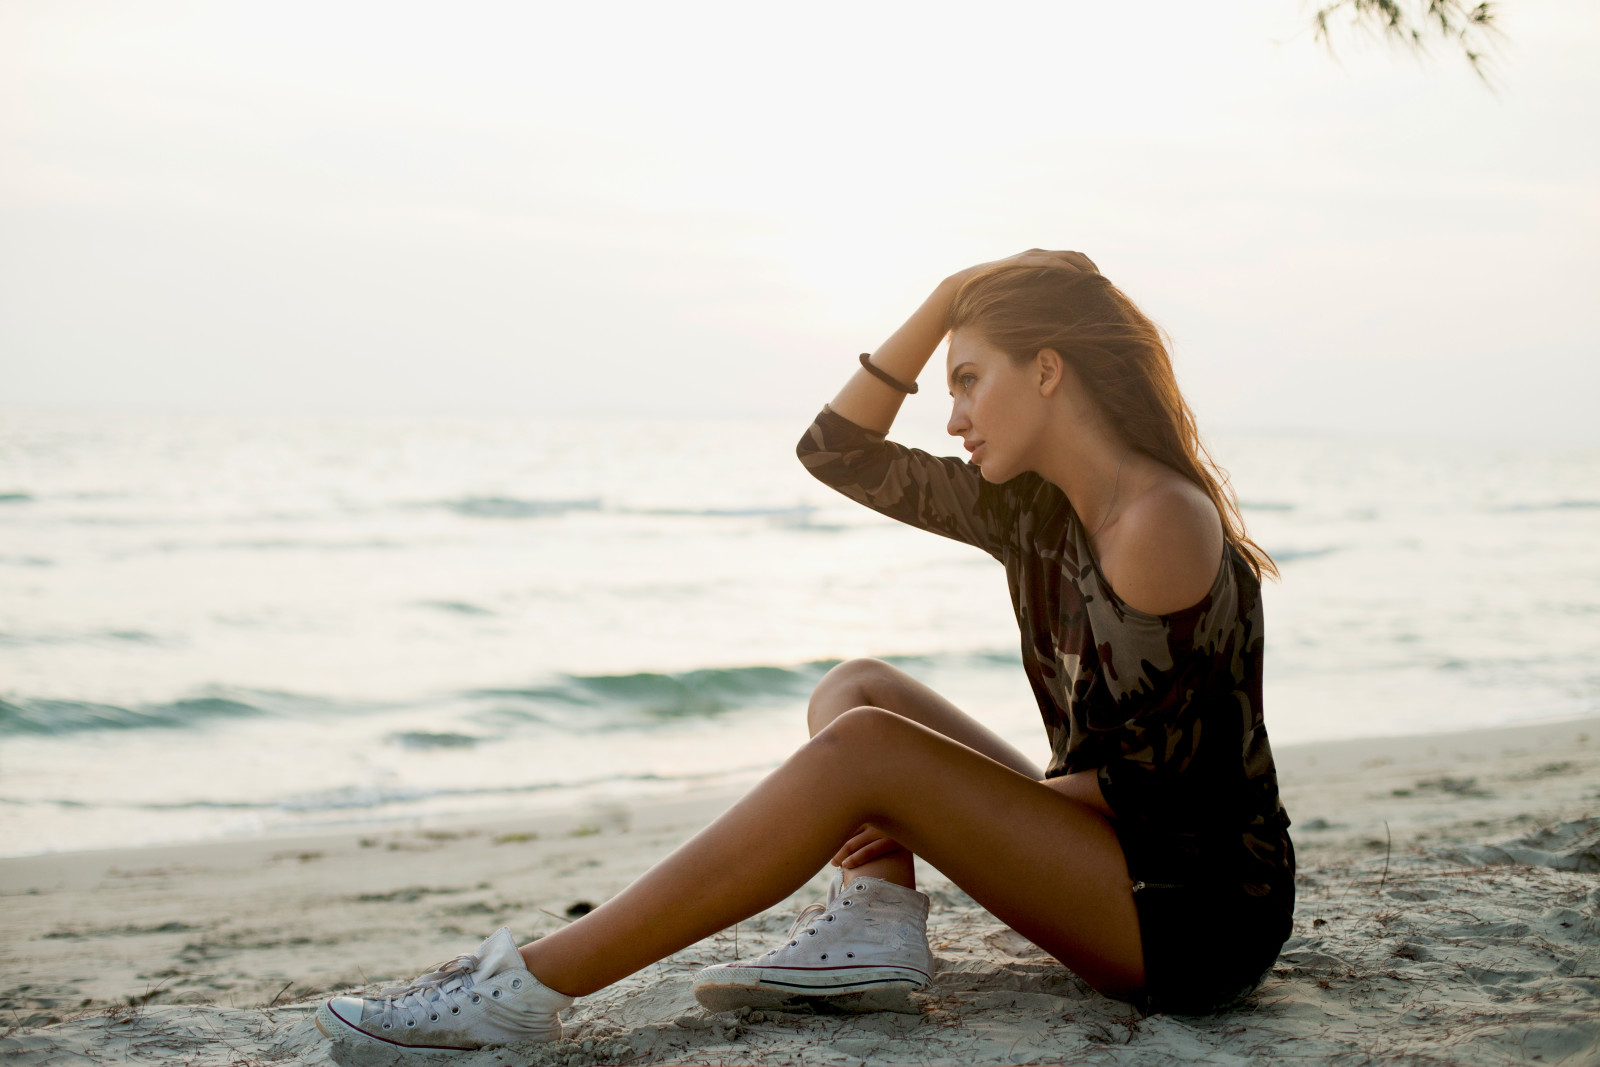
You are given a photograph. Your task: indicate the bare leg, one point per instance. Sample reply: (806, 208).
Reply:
(873, 683)
(1046, 865)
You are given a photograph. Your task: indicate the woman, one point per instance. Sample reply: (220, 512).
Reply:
(1151, 857)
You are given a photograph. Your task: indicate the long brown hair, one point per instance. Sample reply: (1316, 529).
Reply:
(1121, 357)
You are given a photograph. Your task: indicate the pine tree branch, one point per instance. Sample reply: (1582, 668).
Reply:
(1417, 24)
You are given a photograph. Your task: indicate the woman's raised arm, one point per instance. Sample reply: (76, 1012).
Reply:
(871, 403)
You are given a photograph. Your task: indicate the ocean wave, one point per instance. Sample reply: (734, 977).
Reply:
(1290, 555)
(454, 607)
(570, 703)
(644, 697)
(506, 507)
(33, 715)
(604, 702)
(424, 739)
(138, 637)
(273, 544)
(1010, 657)
(1551, 505)
(358, 797)
(345, 798)
(795, 513)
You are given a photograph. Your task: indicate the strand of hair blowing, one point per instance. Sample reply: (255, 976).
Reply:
(1121, 357)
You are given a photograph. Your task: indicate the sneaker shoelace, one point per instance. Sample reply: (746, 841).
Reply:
(811, 914)
(808, 915)
(436, 989)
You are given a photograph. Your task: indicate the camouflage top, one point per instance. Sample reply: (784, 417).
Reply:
(1167, 708)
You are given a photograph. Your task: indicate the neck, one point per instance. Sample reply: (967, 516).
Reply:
(1084, 463)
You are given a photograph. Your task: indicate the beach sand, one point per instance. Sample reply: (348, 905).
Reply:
(1449, 912)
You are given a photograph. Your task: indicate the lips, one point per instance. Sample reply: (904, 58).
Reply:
(974, 448)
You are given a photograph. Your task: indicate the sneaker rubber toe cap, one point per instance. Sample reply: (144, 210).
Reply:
(340, 1017)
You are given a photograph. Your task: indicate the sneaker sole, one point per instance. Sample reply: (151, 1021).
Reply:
(863, 989)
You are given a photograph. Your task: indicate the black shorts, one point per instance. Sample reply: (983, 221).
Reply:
(1207, 942)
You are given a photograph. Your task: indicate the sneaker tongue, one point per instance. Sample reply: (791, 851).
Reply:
(499, 953)
(836, 886)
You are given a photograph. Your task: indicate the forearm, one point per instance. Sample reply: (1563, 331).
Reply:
(871, 403)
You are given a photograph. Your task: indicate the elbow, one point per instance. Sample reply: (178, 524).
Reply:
(811, 458)
(810, 444)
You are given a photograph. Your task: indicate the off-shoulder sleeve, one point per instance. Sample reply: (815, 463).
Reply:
(945, 495)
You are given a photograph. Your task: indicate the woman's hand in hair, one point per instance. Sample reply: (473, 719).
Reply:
(868, 844)
(1035, 257)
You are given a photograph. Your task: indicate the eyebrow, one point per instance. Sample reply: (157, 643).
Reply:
(954, 371)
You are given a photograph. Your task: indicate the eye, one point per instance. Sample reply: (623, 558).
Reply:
(966, 380)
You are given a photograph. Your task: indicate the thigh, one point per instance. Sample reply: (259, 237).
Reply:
(874, 683)
(1048, 866)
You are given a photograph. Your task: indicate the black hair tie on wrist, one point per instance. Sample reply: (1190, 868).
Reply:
(886, 378)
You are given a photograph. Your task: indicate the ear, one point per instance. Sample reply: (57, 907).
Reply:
(1049, 369)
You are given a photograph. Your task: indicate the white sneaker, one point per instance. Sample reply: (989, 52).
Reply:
(486, 998)
(865, 950)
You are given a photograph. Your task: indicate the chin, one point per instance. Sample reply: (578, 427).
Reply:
(994, 474)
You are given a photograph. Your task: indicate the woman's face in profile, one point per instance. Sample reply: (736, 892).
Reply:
(997, 406)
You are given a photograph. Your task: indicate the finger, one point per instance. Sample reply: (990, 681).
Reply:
(1080, 261)
(1039, 257)
(865, 856)
(869, 834)
(851, 847)
(864, 834)
(884, 846)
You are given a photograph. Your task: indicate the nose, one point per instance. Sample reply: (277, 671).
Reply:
(959, 424)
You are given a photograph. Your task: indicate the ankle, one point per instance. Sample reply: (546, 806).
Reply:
(898, 868)
(538, 967)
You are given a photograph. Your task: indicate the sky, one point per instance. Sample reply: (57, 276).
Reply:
(705, 209)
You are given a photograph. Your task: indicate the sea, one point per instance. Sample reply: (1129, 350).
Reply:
(214, 626)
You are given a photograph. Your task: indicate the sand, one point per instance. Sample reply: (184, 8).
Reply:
(1449, 914)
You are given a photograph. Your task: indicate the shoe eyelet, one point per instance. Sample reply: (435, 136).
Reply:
(516, 983)
(433, 1018)
(830, 918)
(792, 944)
(476, 999)
(849, 955)
(811, 933)
(845, 904)
(410, 1023)
(860, 888)
(824, 955)
(495, 994)
(388, 1026)
(454, 1010)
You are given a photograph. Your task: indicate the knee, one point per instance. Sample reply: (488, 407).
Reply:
(858, 729)
(848, 685)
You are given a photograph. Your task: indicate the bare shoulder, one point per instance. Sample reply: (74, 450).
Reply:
(1167, 547)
